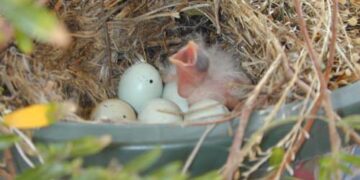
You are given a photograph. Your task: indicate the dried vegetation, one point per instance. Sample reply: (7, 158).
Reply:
(110, 35)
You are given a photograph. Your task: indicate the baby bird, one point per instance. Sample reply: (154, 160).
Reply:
(204, 72)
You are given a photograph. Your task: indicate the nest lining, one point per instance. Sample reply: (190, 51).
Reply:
(109, 36)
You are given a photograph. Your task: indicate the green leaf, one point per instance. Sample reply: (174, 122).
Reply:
(345, 168)
(53, 151)
(286, 177)
(32, 19)
(326, 164)
(52, 112)
(215, 175)
(276, 157)
(352, 159)
(46, 171)
(88, 146)
(330, 164)
(7, 140)
(351, 121)
(24, 43)
(76, 148)
(94, 173)
(143, 161)
(169, 171)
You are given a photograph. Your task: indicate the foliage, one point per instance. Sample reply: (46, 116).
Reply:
(7, 140)
(38, 115)
(31, 20)
(351, 121)
(276, 157)
(330, 165)
(64, 161)
(33, 116)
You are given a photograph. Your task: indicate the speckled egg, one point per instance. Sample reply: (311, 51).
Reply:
(114, 110)
(139, 84)
(160, 111)
(205, 110)
(171, 93)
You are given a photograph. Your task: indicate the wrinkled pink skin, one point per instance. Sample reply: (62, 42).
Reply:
(203, 73)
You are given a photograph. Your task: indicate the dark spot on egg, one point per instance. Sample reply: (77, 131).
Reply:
(124, 116)
(151, 81)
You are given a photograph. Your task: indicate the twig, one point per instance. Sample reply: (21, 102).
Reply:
(9, 163)
(23, 156)
(295, 148)
(323, 98)
(354, 136)
(332, 42)
(196, 149)
(289, 74)
(216, 121)
(256, 166)
(298, 126)
(107, 68)
(6, 175)
(257, 136)
(233, 158)
(216, 12)
(58, 5)
(29, 143)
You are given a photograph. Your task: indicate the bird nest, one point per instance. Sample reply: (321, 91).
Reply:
(266, 38)
(109, 36)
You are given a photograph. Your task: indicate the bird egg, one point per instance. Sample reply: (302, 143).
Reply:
(113, 109)
(139, 84)
(160, 111)
(171, 93)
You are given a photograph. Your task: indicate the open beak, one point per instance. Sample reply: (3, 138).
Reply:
(191, 68)
(186, 56)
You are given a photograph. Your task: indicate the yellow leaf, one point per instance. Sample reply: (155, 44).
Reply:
(34, 116)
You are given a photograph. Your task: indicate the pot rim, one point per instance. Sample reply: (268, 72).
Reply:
(345, 101)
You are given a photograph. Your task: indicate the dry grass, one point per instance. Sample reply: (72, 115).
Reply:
(109, 36)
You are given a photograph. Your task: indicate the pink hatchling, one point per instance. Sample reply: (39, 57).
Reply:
(208, 73)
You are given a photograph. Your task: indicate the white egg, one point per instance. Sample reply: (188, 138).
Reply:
(206, 110)
(171, 93)
(139, 84)
(114, 110)
(160, 111)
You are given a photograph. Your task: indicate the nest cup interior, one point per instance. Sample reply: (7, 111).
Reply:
(88, 71)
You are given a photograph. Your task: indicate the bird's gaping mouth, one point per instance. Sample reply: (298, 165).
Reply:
(185, 56)
(191, 67)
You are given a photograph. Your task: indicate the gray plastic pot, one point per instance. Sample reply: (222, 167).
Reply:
(177, 142)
